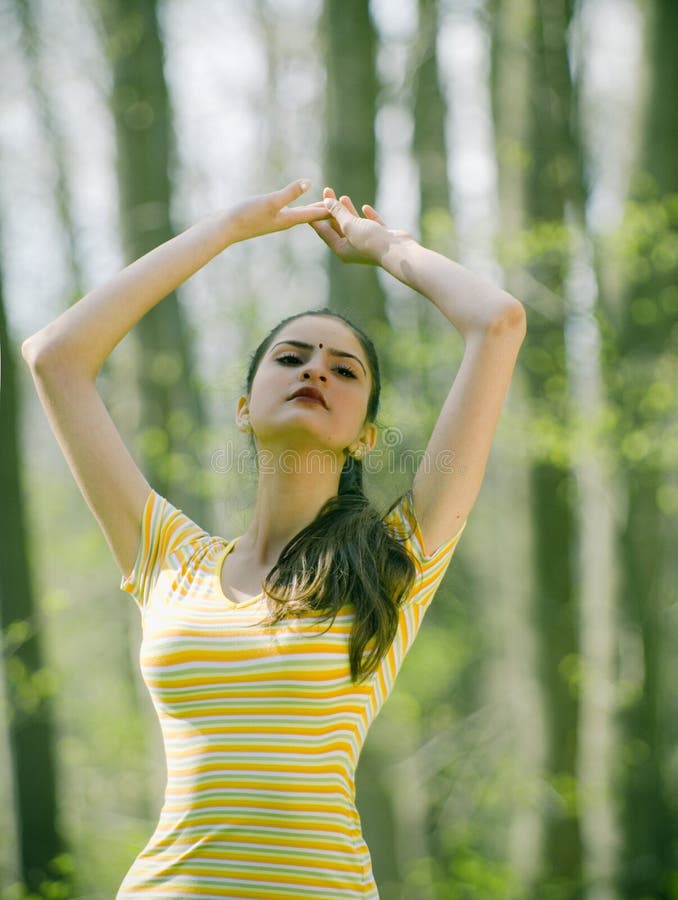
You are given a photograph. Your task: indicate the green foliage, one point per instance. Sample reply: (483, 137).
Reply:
(58, 887)
(27, 688)
(473, 876)
(437, 230)
(165, 368)
(514, 154)
(436, 661)
(15, 635)
(542, 243)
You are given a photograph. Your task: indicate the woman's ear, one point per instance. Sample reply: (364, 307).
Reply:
(242, 415)
(368, 436)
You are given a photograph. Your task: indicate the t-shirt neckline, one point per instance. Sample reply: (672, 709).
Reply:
(217, 578)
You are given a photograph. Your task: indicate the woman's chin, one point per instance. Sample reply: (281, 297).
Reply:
(302, 441)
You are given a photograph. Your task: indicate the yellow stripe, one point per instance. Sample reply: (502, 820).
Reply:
(257, 840)
(235, 820)
(249, 748)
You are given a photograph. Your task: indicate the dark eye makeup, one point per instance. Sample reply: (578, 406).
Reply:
(287, 359)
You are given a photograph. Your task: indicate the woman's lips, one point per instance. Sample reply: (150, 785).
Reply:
(307, 391)
(308, 399)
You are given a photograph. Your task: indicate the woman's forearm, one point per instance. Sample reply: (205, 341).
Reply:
(84, 335)
(469, 301)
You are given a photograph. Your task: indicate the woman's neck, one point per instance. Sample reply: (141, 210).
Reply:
(291, 490)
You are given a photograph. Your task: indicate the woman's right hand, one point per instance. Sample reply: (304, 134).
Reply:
(270, 212)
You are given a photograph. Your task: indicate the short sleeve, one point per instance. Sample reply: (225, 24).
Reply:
(164, 530)
(402, 521)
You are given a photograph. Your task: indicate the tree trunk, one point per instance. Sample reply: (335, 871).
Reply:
(349, 44)
(171, 407)
(598, 630)
(30, 41)
(29, 688)
(435, 215)
(554, 189)
(410, 803)
(171, 417)
(512, 29)
(647, 348)
(430, 147)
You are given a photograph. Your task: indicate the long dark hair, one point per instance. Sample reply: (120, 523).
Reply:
(346, 554)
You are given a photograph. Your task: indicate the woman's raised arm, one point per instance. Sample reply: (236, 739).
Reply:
(492, 324)
(83, 336)
(67, 354)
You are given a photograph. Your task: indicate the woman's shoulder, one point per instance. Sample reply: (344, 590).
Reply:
(166, 528)
(166, 520)
(170, 539)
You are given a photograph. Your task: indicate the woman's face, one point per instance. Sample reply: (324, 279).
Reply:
(316, 352)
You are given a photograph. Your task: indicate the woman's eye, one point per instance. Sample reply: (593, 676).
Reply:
(291, 359)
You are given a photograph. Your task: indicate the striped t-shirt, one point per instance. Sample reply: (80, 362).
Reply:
(262, 726)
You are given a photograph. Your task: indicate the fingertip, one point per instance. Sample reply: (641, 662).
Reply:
(304, 184)
(371, 213)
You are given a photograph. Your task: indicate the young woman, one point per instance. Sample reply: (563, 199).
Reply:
(269, 655)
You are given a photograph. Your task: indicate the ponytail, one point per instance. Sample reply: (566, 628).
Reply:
(351, 478)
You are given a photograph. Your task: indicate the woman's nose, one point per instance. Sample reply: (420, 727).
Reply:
(321, 374)
(315, 366)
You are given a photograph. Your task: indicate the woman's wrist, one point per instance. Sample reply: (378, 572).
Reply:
(396, 251)
(224, 224)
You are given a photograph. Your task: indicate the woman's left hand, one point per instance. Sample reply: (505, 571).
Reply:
(352, 237)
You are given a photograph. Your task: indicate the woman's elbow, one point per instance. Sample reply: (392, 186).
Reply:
(510, 321)
(29, 350)
(39, 354)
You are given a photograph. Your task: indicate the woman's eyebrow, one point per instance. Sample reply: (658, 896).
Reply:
(331, 350)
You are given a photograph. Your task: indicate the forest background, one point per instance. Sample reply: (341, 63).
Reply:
(530, 748)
